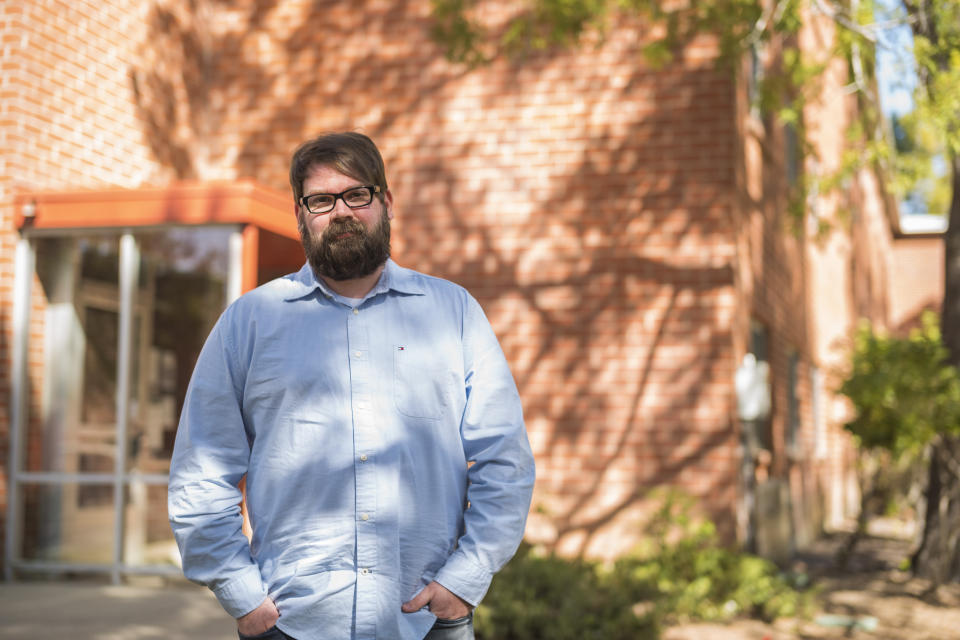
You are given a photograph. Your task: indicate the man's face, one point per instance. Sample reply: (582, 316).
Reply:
(344, 243)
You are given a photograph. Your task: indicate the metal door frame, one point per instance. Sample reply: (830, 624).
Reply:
(24, 270)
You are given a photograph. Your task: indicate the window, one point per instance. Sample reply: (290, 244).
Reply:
(816, 409)
(791, 153)
(755, 79)
(759, 347)
(793, 404)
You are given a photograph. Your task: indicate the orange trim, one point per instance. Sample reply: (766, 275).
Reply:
(187, 203)
(251, 257)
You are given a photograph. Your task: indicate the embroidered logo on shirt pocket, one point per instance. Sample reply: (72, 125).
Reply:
(417, 384)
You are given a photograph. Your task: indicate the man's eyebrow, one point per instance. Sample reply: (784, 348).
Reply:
(331, 193)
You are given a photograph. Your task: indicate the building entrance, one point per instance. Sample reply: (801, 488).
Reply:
(124, 319)
(114, 294)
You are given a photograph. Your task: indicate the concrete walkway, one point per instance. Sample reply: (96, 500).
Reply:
(94, 611)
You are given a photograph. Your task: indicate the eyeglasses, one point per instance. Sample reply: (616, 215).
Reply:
(354, 197)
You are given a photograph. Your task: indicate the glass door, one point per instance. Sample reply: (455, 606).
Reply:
(124, 316)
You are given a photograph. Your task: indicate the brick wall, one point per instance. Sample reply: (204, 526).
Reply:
(600, 210)
(583, 198)
(807, 287)
(917, 279)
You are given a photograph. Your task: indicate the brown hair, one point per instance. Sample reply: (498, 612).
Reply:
(352, 154)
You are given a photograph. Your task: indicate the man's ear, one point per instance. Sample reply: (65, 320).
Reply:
(388, 203)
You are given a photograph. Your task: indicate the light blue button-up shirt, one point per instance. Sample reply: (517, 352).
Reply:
(383, 444)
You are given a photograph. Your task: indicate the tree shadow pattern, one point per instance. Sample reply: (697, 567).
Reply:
(584, 198)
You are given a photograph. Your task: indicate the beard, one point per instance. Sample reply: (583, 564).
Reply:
(346, 257)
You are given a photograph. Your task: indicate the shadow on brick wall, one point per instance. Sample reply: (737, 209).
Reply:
(583, 198)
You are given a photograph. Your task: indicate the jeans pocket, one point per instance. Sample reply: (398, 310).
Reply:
(456, 622)
(273, 633)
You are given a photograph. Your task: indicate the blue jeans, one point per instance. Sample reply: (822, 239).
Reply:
(459, 629)
(270, 634)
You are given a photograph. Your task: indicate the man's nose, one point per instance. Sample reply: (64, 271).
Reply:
(340, 209)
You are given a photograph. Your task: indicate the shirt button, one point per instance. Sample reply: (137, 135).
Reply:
(357, 354)
(356, 311)
(364, 517)
(363, 457)
(364, 571)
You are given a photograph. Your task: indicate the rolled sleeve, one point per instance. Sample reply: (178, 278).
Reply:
(243, 593)
(463, 577)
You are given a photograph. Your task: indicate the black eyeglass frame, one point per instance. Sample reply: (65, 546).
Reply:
(373, 189)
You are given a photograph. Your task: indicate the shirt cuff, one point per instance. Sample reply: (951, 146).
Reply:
(243, 593)
(465, 578)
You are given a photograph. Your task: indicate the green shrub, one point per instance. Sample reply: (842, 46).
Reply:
(904, 391)
(696, 578)
(544, 596)
(679, 573)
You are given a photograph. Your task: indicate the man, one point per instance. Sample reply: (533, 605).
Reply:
(372, 412)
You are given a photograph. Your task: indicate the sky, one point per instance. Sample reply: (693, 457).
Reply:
(895, 74)
(897, 80)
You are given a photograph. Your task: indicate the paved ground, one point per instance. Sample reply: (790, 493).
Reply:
(93, 611)
(889, 607)
(872, 589)
(871, 600)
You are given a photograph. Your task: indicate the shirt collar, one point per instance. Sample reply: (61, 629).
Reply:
(394, 277)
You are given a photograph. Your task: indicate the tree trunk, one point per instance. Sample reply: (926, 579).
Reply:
(950, 318)
(938, 556)
(870, 475)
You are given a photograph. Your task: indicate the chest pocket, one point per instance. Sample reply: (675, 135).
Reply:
(418, 384)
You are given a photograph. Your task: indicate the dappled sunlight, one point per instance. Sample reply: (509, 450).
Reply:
(591, 203)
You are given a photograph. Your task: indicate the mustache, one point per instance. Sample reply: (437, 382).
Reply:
(340, 226)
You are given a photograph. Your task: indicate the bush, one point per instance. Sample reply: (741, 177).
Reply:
(544, 596)
(904, 390)
(680, 573)
(696, 578)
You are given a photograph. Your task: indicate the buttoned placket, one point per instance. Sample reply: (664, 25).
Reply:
(364, 438)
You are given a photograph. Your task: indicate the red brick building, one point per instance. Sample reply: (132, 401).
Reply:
(624, 227)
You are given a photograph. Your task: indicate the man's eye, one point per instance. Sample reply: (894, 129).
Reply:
(354, 197)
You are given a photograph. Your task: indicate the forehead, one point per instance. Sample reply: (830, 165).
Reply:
(323, 178)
